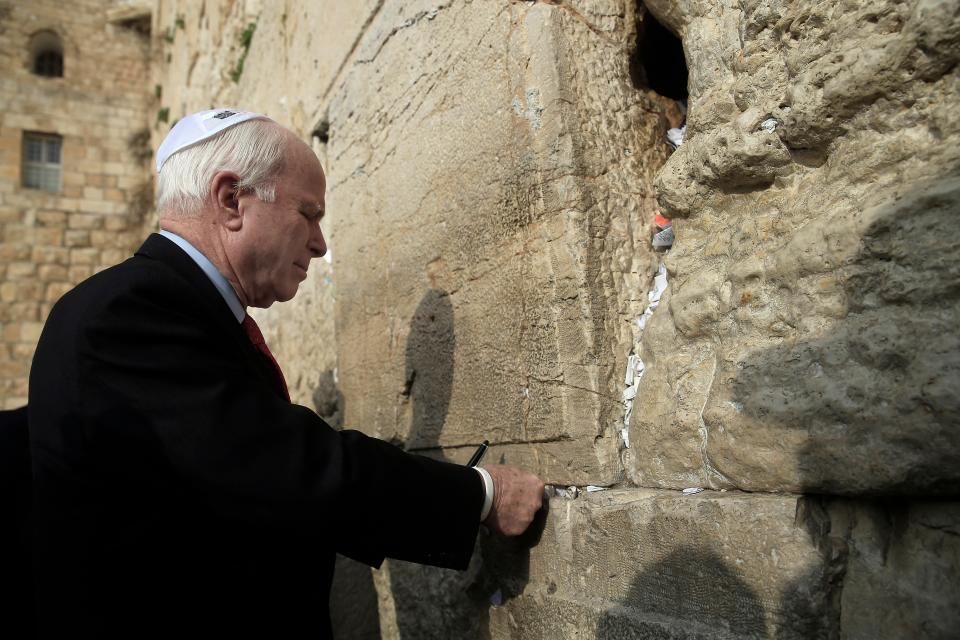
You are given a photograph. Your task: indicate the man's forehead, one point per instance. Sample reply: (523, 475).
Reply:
(305, 177)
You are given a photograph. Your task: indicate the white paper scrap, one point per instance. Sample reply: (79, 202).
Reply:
(692, 490)
(659, 284)
(675, 136)
(769, 125)
(591, 488)
(642, 320)
(631, 369)
(570, 493)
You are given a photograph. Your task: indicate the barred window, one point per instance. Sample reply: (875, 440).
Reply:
(46, 54)
(49, 63)
(41, 161)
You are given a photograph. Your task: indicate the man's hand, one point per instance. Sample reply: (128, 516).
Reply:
(517, 496)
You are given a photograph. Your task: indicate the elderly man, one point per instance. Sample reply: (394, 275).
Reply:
(177, 489)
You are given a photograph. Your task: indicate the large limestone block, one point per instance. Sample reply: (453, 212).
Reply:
(809, 340)
(658, 564)
(298, 55)
(294, 57)
(490, 200)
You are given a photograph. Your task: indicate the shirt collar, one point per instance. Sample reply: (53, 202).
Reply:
(229, 295)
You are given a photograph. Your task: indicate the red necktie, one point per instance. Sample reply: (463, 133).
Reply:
(256, 337)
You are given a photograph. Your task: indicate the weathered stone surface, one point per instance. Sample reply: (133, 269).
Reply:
(493, 270)
(808, 340)
(427, 602)
(654, 564)
(353, 602)
(658, 564)
(901, 576)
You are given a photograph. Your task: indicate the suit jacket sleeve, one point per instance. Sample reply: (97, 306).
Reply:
(164, 392)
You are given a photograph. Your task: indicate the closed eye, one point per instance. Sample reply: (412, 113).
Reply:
(312, 216)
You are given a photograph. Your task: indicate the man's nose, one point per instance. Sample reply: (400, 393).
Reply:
(317, 244)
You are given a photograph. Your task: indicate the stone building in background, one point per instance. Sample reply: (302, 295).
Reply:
(494, 169)
(75, 182)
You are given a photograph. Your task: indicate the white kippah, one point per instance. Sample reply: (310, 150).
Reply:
(199, 126)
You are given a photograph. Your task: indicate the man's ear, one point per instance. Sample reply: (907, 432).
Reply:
(226, 197)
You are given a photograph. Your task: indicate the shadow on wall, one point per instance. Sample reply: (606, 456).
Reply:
(868, 406)
(328, 401)
(690, 585)
(692, 592)
(872, 404)
(431, 602)
(354, 614)
(441, 603)
(429, 369)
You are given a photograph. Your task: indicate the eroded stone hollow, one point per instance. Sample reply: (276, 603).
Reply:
(658, 61)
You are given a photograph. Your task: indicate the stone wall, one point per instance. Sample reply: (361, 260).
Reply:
(493, 172)
(51, 241)
(810, 341)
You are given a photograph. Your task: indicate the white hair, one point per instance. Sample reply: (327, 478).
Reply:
(254, 150)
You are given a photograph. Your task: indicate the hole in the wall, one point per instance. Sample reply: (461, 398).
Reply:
(46, 54)
(322, 132)
(658, 62)
(320, 138)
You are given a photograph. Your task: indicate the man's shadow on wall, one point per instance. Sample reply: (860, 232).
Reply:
(688, 584)
(693, 590)
(354, 612)
(433, 602)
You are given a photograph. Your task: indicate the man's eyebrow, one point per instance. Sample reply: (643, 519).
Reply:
(312, 208)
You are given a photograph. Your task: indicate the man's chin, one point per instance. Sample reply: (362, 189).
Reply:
(284, 296)
(278, 296)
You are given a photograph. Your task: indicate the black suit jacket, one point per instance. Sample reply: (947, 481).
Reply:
(177, 492)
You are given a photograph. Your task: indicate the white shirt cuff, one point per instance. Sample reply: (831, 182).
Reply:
(488, 492)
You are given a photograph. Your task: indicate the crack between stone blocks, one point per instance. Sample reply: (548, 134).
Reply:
(561, 383)
(353, 47)
(941, 528)
(430, 15)
(576, 15)
(562, 438)
(493, 23)
(708, 467)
